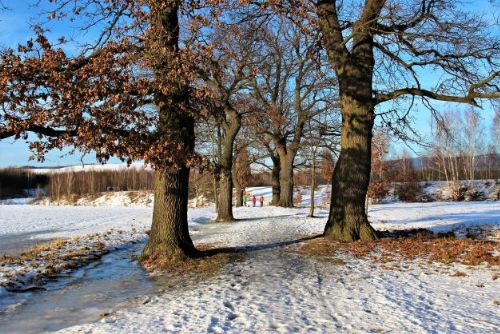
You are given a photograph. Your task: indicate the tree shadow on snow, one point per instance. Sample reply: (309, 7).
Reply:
(254, 248)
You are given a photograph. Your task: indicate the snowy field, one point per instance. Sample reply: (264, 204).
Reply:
(274, 289)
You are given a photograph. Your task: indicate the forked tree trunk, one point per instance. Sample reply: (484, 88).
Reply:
(348, 220)
(169, 236)
(286, 182)
(275, 180)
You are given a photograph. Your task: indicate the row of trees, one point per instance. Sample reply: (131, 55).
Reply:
(74, 184)
(163, 76)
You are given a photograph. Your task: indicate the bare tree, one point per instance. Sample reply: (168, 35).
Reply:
(379, 183)
(386, 42)
(291, 86)
(379, 50)
(227, 75)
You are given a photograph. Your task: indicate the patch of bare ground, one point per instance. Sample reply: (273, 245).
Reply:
(416, 245)
(209, 261)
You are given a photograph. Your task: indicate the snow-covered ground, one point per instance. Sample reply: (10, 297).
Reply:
(18, 222)
(275, 289)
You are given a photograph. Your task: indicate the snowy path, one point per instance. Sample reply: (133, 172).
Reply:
(276, 289)
(278, 293)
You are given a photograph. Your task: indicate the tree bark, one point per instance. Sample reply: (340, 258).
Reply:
(313, 184)
(286, 182)
(275, 180)
(225, 207)
(351, 176)
(169, 234)
(239, 195)
(215, 186)
(347, 220)
(231, 127)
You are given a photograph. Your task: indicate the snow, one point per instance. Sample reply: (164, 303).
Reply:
(17, 201)
(68, 221)
(437, 216)
(282, 295)
(106, 199)
(276, 289)
(442, 190)
(434, 191)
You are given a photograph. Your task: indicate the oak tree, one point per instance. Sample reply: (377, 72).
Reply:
(131, 94)
(381, 51)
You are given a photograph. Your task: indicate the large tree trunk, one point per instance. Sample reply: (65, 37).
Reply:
(275, 180)
(231, 128)
(215, 186)
(348, 220)
(225, 207)
(169, 234)
(169, 237)
(286, 182)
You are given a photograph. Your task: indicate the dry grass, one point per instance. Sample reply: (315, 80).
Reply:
(35, 252)
(444, 249)
(50, 260)
(319, 248)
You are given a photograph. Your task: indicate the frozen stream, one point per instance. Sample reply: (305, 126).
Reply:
(117, 282)
(84, 297)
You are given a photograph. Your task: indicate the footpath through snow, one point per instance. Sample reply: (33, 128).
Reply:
(277, 289)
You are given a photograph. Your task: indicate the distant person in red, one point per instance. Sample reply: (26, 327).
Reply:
(254, 200)
(261, 200)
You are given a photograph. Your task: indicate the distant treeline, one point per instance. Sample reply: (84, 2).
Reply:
(19, 182)
(80, 183)
(15, 182)
(440, 167)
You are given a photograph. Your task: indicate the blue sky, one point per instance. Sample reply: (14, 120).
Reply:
(15, 28)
